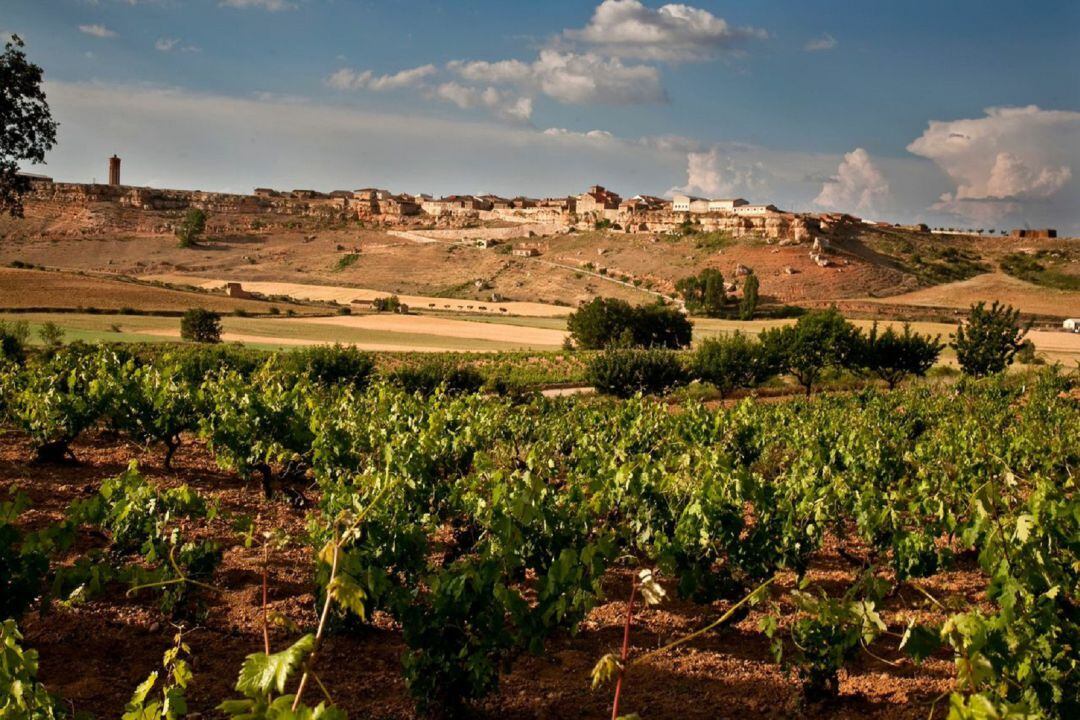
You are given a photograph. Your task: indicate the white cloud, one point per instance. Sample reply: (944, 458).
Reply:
(857, 186)
(268, 5)
(571, 78)
(189, 140)
(721, 172)
(1012, 161)
(166, 44)
(349, 79)
(818, 44)
(503, 105)
(674, 32)
(99, 31)
(601, 135)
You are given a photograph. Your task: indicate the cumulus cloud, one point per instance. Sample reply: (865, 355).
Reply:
(674, 32)
(268, 5)
(819, 44)
(857, 186)
(1010, 159)
(571, 78)
(602, 135)
(503, 105)
(720, 171)
(99, 31)
(166, 44)
(349, 79)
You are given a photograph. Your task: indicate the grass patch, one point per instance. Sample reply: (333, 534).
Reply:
(345, 261)
(1040, 268)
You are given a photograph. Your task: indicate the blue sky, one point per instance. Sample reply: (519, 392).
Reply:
(953, 112)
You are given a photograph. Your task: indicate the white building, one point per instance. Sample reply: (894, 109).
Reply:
(687, 203)
(753, 210)
(725, 205)
(1072, 325)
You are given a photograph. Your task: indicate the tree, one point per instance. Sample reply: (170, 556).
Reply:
(749, 301)
(987, 342)
(51, 334)
(191, 227)
(199, 325)
(731, 362)
(27, 130)
(605, 322)
(892, 356)
(818, 340)
(703, 293)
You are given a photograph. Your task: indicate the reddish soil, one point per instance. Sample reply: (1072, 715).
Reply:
(94, 654)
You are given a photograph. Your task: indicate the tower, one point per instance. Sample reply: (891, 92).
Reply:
(114, 170)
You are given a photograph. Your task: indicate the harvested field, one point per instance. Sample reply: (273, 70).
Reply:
(346, 295)
(55, 289)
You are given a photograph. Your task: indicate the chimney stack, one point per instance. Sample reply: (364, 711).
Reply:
(114, 170)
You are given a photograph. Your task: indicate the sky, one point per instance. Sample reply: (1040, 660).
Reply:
(960, 113)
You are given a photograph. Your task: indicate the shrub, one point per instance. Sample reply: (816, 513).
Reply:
(987, 342)
(818, 340)
(51, 334)
(607, 322)
(430, 375)
(332, 365)
(200, 325)
(13, 337)
(731, 362)
(386, 304)
(625, 372)
(893, 356)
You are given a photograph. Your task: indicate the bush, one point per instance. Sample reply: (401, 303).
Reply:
(430, 375)
(13, 337)
(987, 342)
(386, 304)
(332, 365)
(51, 334)
(893, 356)
(605, 323)
(818, 340)
(623, 372)
(731, 362)
(199, 325)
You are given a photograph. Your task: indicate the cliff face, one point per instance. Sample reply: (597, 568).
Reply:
(91, 209)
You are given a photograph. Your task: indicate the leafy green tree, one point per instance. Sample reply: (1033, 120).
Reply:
(818, 340)
(730, 362)
(13, 337)
(607, 322)
(703, 293)
(201, 325)
(748, 304)
(191, 227)
(987, 342)
(892, 356)
(27, 130)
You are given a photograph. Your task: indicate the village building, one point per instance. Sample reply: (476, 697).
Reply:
(684, 203)
(266, 192)
(399, 205)
(726, 204)
(754, 210)
(306, 194)
(643, 204)
(341, 194)
(597, 200)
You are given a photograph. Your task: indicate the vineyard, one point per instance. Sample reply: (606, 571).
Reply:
(296, 537)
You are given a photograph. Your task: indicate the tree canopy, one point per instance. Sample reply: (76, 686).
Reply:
(27, 130)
